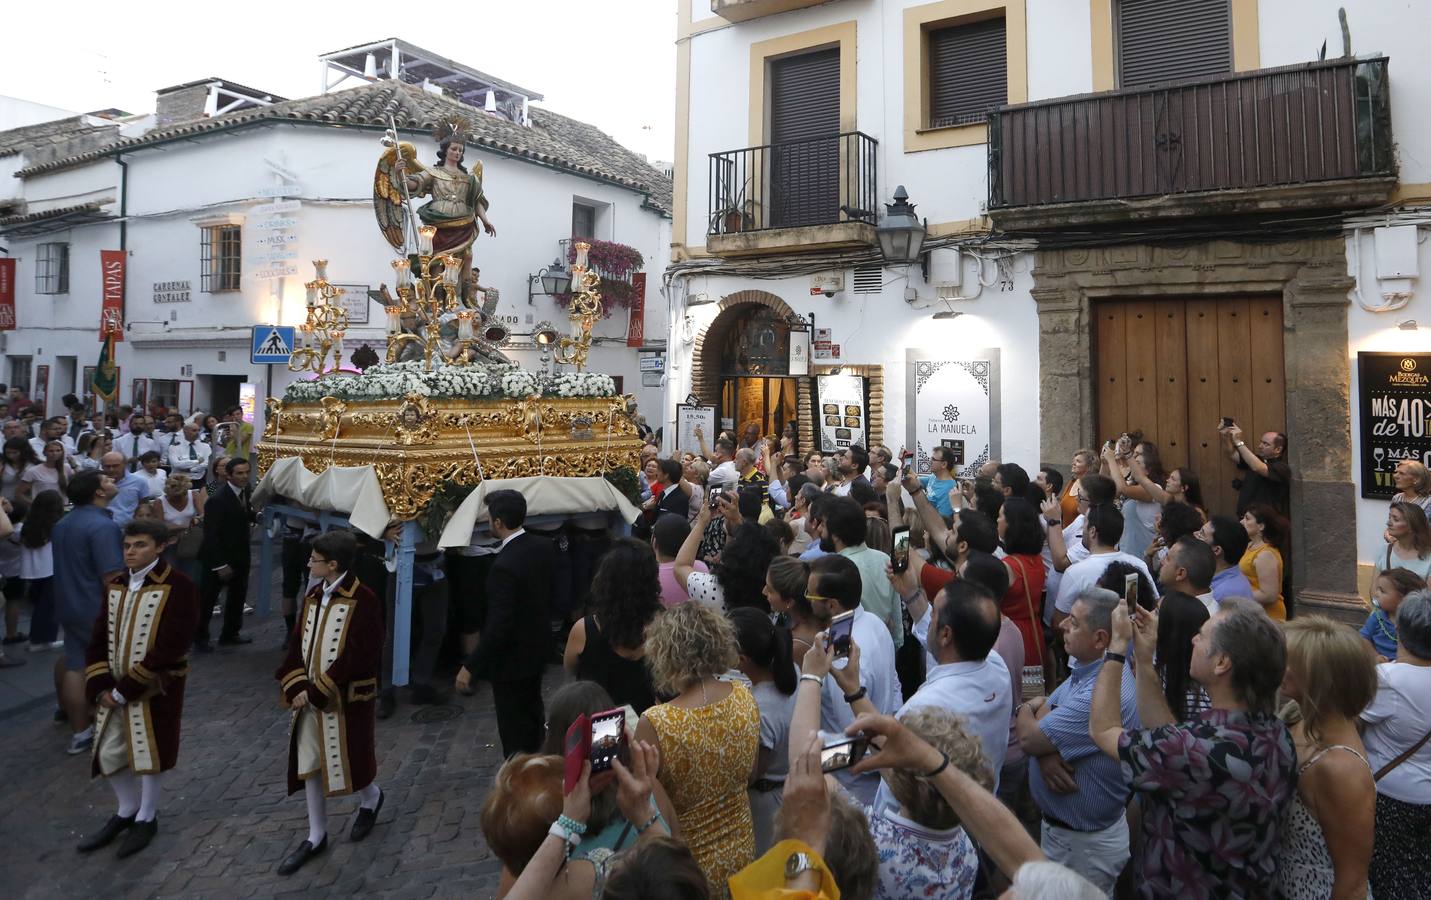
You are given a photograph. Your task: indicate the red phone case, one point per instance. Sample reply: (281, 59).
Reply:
(578, 748)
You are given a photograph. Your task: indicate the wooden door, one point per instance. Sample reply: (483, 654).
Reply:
(1173, 368)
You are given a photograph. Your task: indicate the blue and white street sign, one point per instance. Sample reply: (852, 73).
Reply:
(272, 343)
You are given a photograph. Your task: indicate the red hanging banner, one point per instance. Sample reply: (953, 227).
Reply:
(636, 331)
(111, 279)
(7, 295)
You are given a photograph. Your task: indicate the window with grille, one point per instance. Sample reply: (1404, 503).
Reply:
(164, 393)
(968, 72)
(52, 269)
(220, 258)
(20, 375)
(583, 221)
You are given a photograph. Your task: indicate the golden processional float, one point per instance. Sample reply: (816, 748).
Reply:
(446, 406)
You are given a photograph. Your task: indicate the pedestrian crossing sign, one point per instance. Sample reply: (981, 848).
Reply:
(271, 344)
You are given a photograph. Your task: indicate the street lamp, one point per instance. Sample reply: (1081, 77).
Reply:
(901, 235)
(555, 279)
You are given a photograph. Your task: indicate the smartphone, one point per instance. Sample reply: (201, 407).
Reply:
(899, 556)
(1227, 421)
(608, 736)
(578, 748)
(844, 752)
(716, 491)
(841, 629)
(1130, 593)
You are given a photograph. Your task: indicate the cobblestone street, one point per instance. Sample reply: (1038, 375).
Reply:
(224, 820)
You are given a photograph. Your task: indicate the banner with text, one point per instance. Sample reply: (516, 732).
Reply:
(111, 280)
(1395, 397)
(953, 403)
(7, 295)
(636, 330)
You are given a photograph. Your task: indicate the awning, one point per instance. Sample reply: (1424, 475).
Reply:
(30, 224)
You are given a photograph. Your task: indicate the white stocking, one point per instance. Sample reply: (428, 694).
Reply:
(126, 791)
(148, 797)
(317, 810)
(368, 796)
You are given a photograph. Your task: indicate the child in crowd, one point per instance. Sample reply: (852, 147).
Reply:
(1387, 591)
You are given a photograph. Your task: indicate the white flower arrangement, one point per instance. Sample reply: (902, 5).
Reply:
(389, 381)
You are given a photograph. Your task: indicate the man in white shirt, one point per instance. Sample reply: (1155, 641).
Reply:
(1101, 533)
(52, 430)
(189, 455)
(723, 470)
(136, 443)
(834, 588)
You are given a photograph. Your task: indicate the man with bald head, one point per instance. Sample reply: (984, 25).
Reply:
(188, 455)
(130, 487)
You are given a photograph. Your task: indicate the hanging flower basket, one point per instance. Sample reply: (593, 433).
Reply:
(615, 263)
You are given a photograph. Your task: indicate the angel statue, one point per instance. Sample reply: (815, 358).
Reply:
(457, 205)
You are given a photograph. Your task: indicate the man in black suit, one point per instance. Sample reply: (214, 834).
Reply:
(516, 639)
(673, 500)
(225, 556)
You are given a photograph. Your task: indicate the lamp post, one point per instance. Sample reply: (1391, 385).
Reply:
(555, 279)
(900, 233)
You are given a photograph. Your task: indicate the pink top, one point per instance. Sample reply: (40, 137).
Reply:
(671, 593)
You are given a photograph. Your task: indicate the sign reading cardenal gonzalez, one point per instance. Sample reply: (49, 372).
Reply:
(953, 403)
(1395, 404)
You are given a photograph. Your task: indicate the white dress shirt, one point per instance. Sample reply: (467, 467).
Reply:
(188, 457)
(134, 446)
(1085, 574)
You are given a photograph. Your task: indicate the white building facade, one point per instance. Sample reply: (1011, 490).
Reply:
(219, 217)
(1141, 214)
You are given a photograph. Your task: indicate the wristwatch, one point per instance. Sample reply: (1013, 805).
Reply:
(1110, 656)
(798, 864)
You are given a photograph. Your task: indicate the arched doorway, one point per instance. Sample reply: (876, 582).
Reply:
(742, 366)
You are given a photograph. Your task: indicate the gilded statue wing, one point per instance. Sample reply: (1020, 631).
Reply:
(387, 195)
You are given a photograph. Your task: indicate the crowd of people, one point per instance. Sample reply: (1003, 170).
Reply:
(835, 677)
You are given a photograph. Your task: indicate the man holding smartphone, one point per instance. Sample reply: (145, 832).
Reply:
(1266, 476)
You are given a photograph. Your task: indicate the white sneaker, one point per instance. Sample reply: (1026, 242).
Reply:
(81, 742)
(57, 645)
(247, 610)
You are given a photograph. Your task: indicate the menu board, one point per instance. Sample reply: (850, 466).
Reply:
(840, 411)
(1395, 400)
(687, 418)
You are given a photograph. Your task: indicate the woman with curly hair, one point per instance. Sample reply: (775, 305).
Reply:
(708, 735)
(607, 646)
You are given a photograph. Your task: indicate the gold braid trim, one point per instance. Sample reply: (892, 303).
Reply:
(294, 676)
(94, 669)
(141, 674)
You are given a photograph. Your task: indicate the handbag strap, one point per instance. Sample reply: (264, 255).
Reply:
(1406, 754)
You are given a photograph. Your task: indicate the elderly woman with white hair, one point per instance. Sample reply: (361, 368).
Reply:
(1397, 734)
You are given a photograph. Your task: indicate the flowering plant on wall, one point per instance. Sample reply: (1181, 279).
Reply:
(615, 263)
(390, 381)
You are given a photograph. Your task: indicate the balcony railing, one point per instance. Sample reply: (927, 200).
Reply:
(1299, 125)
(822, 181)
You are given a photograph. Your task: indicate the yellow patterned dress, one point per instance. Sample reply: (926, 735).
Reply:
(706, 757)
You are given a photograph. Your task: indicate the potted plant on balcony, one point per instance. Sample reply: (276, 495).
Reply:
(737, 214)
(615, 263)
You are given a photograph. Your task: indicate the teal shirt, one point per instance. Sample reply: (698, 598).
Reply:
(877, 595)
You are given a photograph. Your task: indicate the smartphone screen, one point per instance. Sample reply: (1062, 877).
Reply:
(606, 738)
(1227, 421)
(716, 492)
(841, 627)
(899, 556)
(843, 753)
(1130, 592)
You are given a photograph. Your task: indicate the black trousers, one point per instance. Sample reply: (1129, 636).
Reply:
(521, 722)
(212, 586)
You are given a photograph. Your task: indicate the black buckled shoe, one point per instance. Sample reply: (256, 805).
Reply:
(297, 858)
(367, 818)
(106, 835)
(138, 837)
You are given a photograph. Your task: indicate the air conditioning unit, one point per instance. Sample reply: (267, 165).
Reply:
(827, 283)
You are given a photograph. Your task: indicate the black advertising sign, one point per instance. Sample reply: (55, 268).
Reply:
(1395, 416)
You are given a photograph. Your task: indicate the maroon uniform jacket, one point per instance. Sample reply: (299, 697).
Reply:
(334, 655)
(139, 646)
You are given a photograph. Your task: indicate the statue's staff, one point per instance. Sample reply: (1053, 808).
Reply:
(390, 139)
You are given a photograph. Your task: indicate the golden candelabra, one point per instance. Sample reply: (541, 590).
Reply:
(585, 307)
(322, 333)
(425, 296)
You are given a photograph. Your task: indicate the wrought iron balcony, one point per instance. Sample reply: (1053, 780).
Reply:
(826, 181)
(1298, 137)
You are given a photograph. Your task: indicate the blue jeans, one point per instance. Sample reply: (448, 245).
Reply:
(44, 629)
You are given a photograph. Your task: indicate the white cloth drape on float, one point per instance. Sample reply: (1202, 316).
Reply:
(545, 495)
(353, 490)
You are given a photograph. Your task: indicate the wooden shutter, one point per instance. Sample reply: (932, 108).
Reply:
(1173, 40)
(968, 72)
(804, 129)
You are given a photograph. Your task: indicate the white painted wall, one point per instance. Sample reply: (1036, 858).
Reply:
(171, 186)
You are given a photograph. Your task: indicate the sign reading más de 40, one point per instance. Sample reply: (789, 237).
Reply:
(1395, 403)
